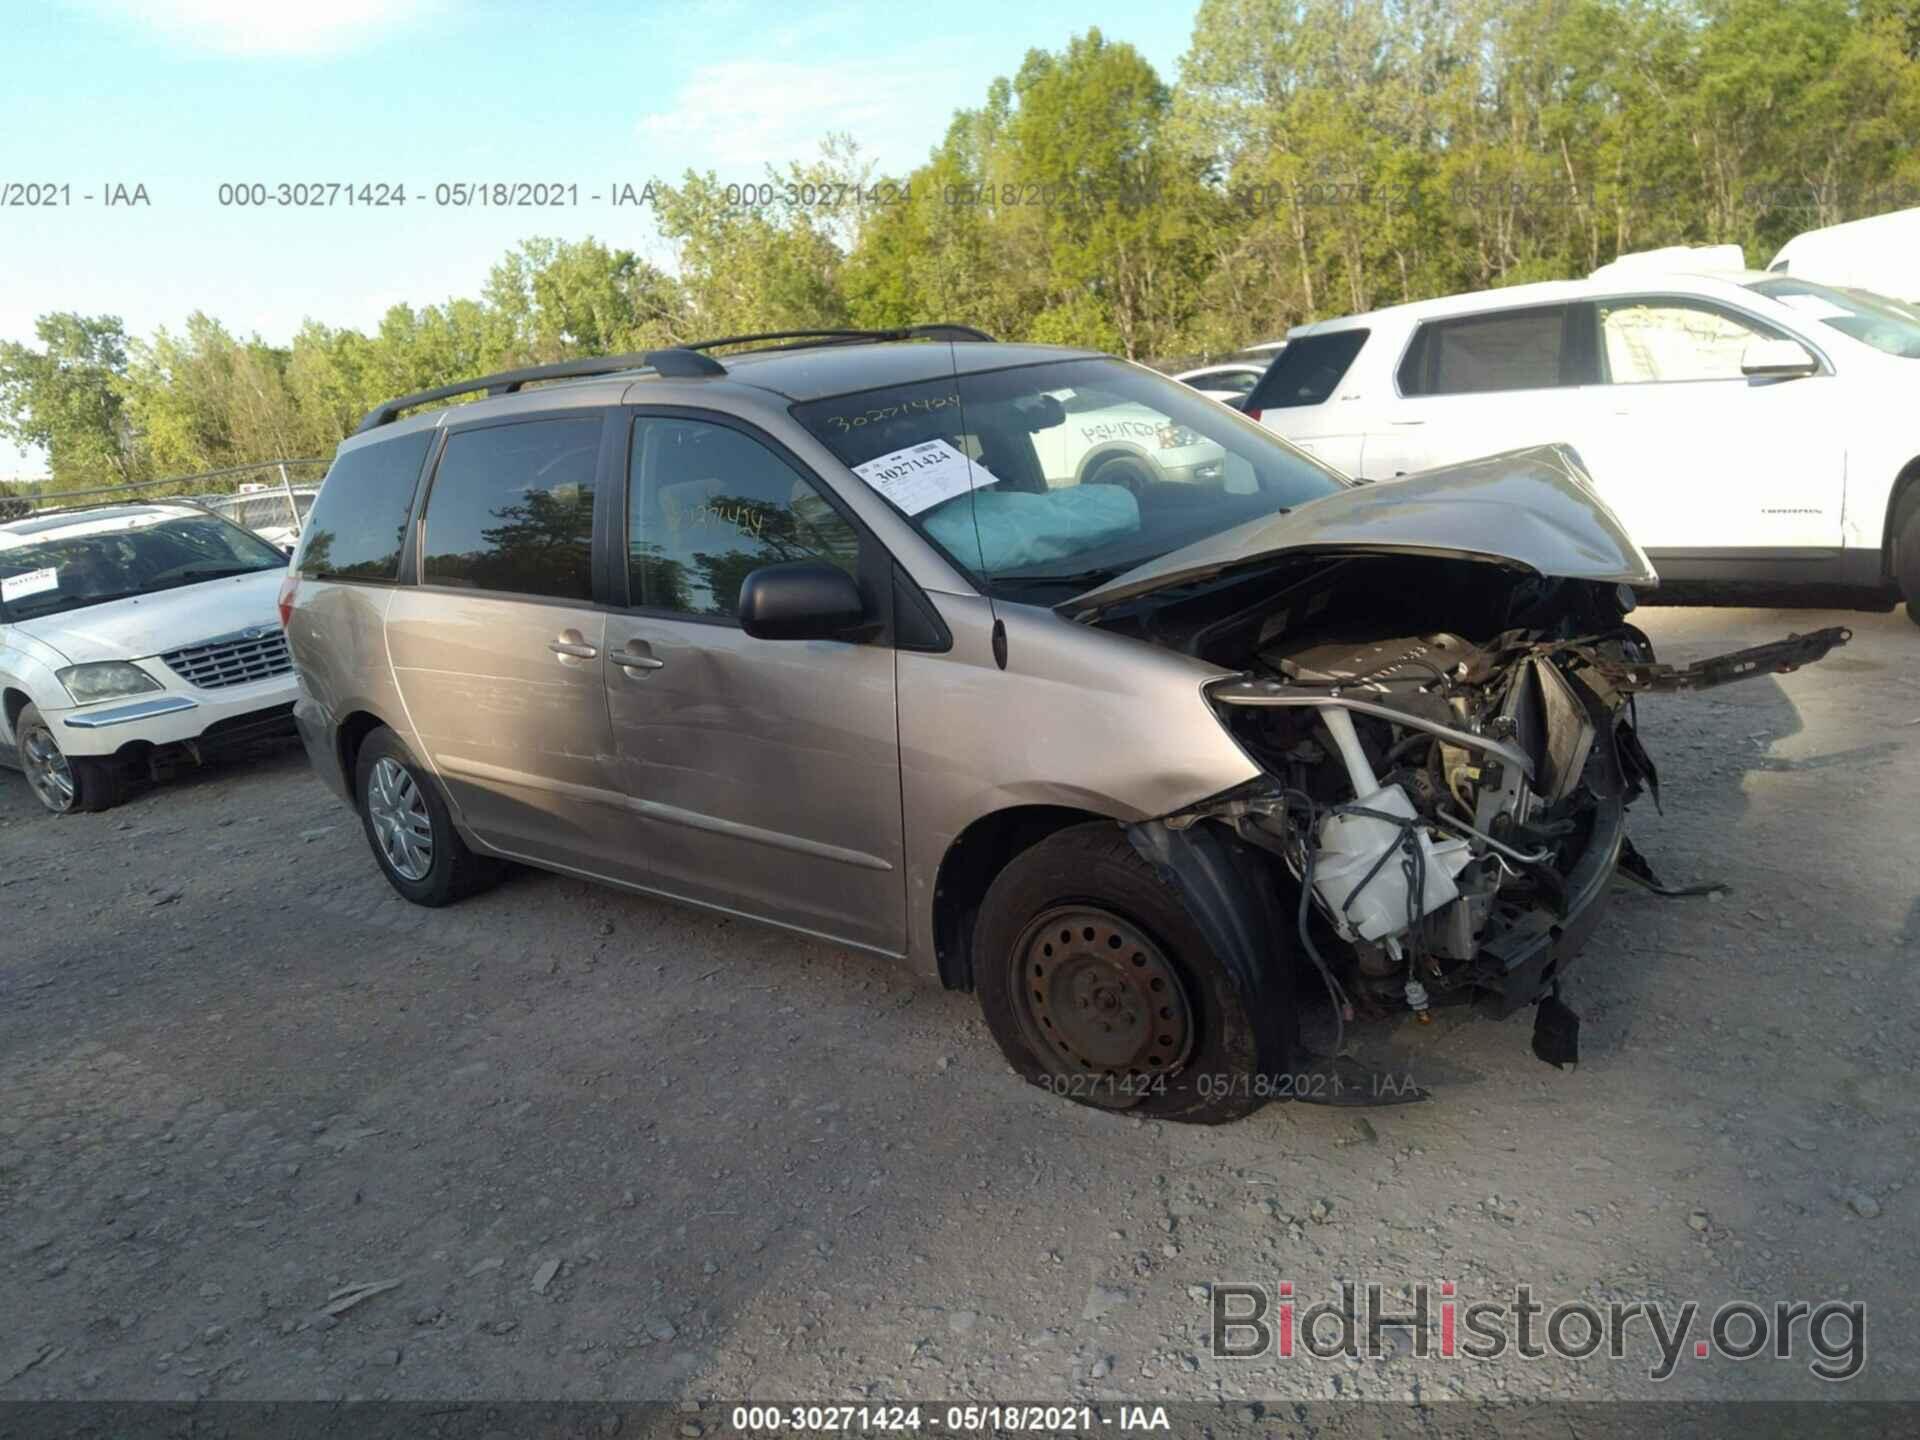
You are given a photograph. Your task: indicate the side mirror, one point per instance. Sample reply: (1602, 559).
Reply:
(1776, 359)
(800, 600)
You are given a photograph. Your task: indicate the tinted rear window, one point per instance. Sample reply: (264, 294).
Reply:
(1507, 350)
(1306, 372)
(512, 509)
(359, 522)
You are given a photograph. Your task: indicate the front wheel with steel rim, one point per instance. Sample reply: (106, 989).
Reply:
(1099, 988)
(1095, 992)
(410, 829)
(64, 784)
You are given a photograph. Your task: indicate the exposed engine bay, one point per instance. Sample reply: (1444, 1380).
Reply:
(1449, 748)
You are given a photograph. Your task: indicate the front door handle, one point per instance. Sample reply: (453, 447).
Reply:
(573, 644)
(638, 656)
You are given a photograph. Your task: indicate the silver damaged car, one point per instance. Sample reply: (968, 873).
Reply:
(897, 640)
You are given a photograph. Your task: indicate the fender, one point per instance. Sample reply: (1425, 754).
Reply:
(1229, 892)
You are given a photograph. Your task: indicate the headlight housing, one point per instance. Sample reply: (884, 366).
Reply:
(105, 680)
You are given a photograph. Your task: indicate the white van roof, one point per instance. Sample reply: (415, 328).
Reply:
(1674, 260)
(1880, 253)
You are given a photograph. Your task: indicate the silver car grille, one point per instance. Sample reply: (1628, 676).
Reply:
(257, 654)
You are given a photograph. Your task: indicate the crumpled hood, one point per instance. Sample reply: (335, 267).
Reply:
(146, 625)
(1534, 508)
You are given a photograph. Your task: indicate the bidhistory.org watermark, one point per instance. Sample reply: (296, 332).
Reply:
(1254, 1321)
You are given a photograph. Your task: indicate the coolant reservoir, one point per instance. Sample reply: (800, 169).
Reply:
(1349, 847)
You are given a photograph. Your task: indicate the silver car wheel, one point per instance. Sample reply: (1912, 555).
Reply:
(401, 824)
(48, 774)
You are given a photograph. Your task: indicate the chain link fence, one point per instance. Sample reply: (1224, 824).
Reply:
(269, 497)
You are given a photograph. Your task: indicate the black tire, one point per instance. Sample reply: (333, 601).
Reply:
(450, 870)
(1053, 895)
(95, 783)
(1906, 552)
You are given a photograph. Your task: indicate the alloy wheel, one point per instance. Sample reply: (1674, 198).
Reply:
(49, 775)
(401, 824)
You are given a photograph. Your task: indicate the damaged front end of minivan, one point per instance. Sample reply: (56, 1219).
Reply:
(1436, 679)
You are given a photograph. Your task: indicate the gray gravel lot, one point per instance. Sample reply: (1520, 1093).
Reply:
(607, 1147)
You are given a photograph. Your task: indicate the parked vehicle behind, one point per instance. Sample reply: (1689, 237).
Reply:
(1231, 380)
(1880, 254)
(134, 638)
(269, 511)
(1100, 442)
(1745, 426)
(839, 636)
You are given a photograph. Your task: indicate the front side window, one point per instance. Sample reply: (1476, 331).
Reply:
(1671, 341)
(1042, 481)
(90, 559)
(511, 509)
(1478, 354)
(707, 505)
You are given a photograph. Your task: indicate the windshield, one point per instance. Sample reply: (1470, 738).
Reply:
(83, 560)
(1046, 480)
(1860, 315)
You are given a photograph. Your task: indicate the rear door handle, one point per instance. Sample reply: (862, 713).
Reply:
(572, 643)
(637, 656)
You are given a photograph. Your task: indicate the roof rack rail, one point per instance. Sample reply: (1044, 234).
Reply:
(506, 382)
(803, 338)
(678, 361)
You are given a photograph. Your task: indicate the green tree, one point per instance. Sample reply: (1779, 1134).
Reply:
(563, 298)
(940, 247)
(204, 399)
(754, 257)
(65, 398)
(1314, 157)
(1116, 218)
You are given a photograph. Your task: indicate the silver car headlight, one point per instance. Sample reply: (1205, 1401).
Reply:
(105, 680)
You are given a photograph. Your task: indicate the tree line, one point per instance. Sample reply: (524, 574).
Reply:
(1310, 158)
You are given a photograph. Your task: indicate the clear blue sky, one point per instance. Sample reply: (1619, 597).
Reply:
(183, 95)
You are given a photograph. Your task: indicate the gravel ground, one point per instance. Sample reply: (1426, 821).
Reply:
(599, 1146)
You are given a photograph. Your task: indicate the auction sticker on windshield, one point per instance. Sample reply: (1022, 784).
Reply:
(18, 587)
(922, 476)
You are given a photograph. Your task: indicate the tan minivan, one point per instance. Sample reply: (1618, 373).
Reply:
(1045, 674)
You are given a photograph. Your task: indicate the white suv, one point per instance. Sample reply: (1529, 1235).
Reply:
(132, 637)
(1744, 426)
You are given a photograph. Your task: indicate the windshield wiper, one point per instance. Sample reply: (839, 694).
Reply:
(220, 572)
(195, 574)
